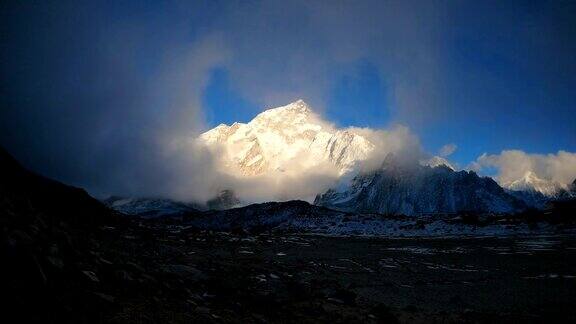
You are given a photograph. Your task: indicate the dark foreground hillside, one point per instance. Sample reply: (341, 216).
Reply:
(68, 259)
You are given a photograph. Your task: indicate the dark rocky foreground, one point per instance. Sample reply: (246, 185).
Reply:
(68, 259)
(150, 274)
(223, 277)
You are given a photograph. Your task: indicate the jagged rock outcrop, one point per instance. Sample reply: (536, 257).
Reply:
(414, 189)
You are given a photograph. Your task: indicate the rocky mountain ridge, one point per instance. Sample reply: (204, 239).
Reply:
(413, 189)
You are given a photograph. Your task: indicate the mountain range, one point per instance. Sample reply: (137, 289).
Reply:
(414, 189)
(293, 138)
(69, 259)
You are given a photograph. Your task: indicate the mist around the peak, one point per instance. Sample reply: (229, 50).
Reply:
(512, 165)
(110, 96)
(305, 174)
(93, 92)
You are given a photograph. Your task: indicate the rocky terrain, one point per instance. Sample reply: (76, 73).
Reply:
(69, 259)
(149, 207)
(399, 188)
(301, 217)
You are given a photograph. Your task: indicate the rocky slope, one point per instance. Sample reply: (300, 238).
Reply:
(150, 207)
(69, 259)
(23, 194)
(411, 189)
(46, 233)
(66, 258)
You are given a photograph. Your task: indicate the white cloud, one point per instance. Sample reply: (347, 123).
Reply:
(447, 150)
(302, 177)
(514, 164)
(302, 45)
(398, 139)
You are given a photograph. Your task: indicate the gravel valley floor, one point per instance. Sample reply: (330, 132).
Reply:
(302, 278)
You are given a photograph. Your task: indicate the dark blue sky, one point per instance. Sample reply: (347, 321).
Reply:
(86, 85)
(508, 73)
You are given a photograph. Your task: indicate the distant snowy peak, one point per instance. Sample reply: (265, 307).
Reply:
(293, 115)
(437, 161)
(290, 138)
(531, 182)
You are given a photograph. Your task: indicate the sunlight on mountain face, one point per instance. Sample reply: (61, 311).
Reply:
(292, 152)
(287, 140)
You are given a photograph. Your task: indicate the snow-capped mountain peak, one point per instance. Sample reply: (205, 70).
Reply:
(531, 182)
(437, 161)
(297, 107)
(287, 139)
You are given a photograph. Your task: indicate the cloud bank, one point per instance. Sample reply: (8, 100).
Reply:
(103, 95)
(269, 159)
(514, 164)
(305, 44)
